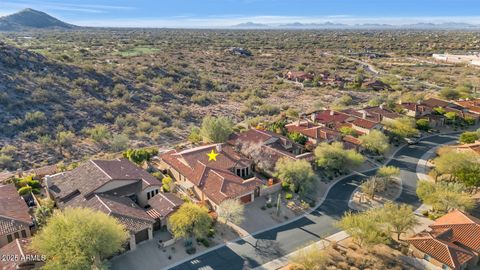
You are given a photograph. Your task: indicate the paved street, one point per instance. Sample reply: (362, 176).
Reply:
(261, 248)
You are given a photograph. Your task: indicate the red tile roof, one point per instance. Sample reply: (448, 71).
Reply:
(363, 123)
(313, 131)
(14, 214)
(163, 204)
(472, 105)
(435, 102)
(92, 175)
(123, 209)
(214, 178)
(329, 116)
(453, 239)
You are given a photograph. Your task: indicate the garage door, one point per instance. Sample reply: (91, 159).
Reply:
(246, 198)
(141, 236)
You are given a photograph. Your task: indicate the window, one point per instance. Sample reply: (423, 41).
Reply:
(16, 235)
(24, 234)
(148, 195)
(426, 257)
(9, 238)
(156, 191)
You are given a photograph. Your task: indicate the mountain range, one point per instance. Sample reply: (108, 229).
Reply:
(30, 19)
(332, 25)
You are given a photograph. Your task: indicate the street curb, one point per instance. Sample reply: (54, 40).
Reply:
(321, 201)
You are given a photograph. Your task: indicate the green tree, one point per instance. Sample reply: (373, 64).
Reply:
(195, 136)
(452, 117)
(444, 197)
(399, 218)
(231, 210)
(375, 142)
(363, 228)
(141, 155)
(439, 111)
(167, 184)
(27, 185)
(459, 166)
(387, 173)
(79, 238)
(189, 221)
(348, 131)
(44, 211)
(423, 124)
(334, 158)
(402, 127)
(298, 138)
(298, 174)
(469, 137)
(216, 129)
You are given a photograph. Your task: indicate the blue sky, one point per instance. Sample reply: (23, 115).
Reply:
(220, 13)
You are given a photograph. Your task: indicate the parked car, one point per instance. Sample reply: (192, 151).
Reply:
(411, 140)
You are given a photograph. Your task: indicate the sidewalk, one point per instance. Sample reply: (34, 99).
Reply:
(322, 244)
(421, 171)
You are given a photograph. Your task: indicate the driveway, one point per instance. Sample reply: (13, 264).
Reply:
(258, 249)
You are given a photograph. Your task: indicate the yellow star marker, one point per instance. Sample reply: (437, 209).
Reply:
(212, 156)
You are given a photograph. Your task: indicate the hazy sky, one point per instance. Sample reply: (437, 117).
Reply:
(212, 13)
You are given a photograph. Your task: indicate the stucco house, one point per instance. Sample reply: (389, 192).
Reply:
(117, 187)
(452, 242)
(265, 148)
(15, 220)
(315, 134)
(230, 176)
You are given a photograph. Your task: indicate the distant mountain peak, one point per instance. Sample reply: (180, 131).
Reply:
(30, 19)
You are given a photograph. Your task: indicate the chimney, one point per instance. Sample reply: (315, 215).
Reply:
(400, 101)
(381, 106)
(364, 114)
(297, 123)
(314, 117)
(219, 148)
(332, 112)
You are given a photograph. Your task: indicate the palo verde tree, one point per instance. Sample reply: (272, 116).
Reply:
(334, 158)
(364, 228)
(398, 217)
(375, 142)
(79, 238)
(444, 197)
(298, 174)
(190, 220)
(216, 129)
